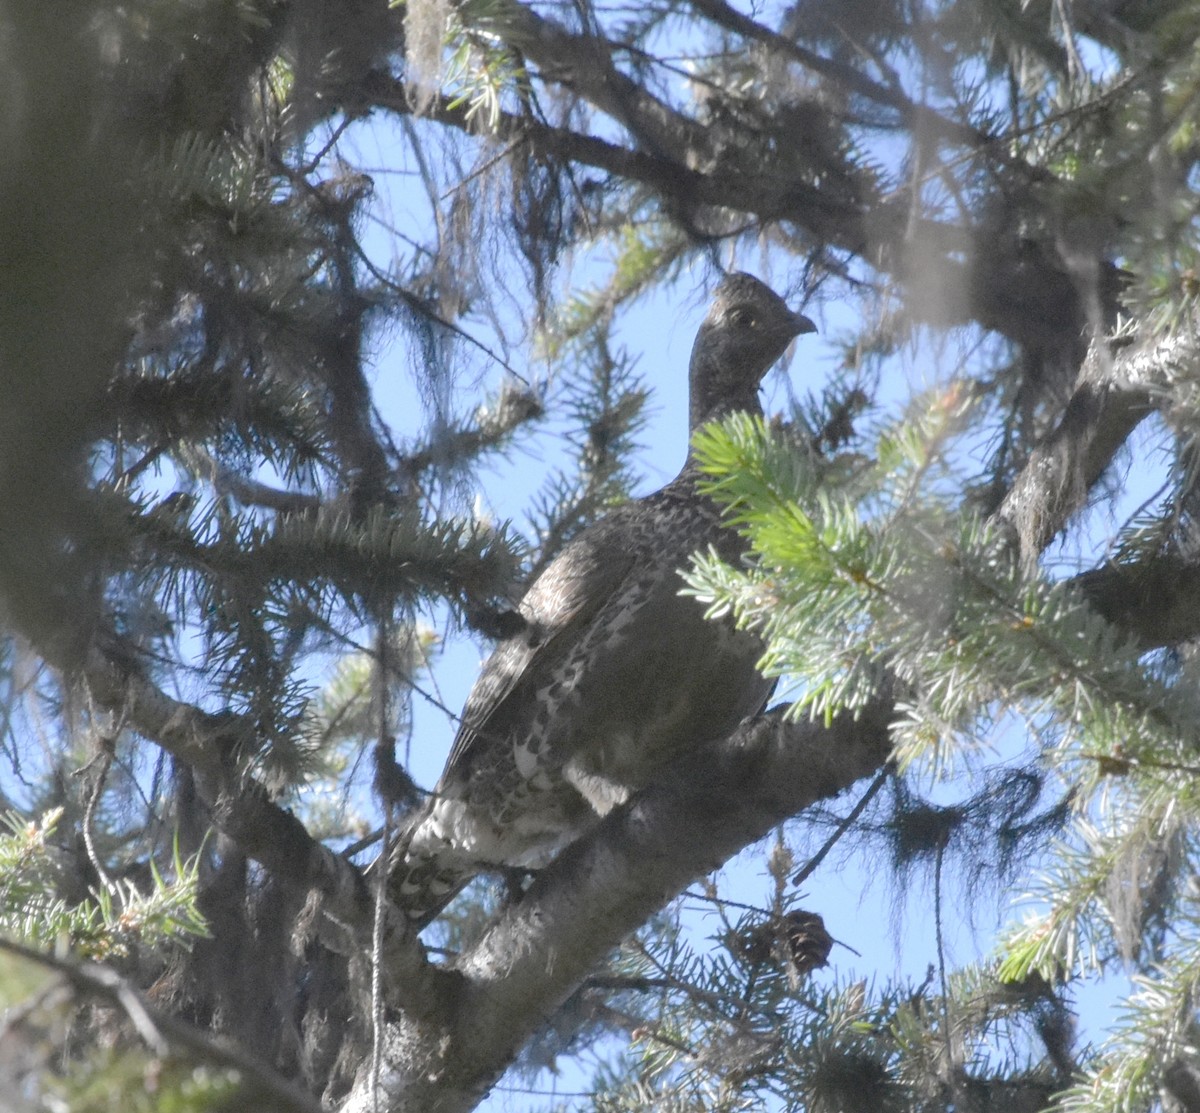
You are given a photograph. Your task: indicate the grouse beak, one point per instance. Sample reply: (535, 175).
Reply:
(798, 324)
(801, 325)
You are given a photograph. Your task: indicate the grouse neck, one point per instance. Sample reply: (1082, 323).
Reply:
(690, 472)
(722, 409)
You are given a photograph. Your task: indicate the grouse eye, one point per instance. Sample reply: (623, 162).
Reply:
(744, 317)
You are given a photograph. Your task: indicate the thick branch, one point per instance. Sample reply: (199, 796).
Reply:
(266, 833)
(1113, 395)
(601, 888)
(241, 808)
(664, 174)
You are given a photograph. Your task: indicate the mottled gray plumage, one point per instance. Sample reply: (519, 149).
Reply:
(614, 673)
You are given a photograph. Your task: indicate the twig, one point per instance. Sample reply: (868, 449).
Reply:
(807, 871)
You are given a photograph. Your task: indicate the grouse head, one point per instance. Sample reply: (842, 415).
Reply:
(746, 330)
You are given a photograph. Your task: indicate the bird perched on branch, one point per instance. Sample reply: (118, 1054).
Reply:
(613, 672)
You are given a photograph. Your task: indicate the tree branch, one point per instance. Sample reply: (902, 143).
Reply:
(1114, 392)
(165, 1035)
(251, 492)
(241, 807)
(713, 803)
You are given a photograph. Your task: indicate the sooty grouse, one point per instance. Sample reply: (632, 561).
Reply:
(614, 672)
